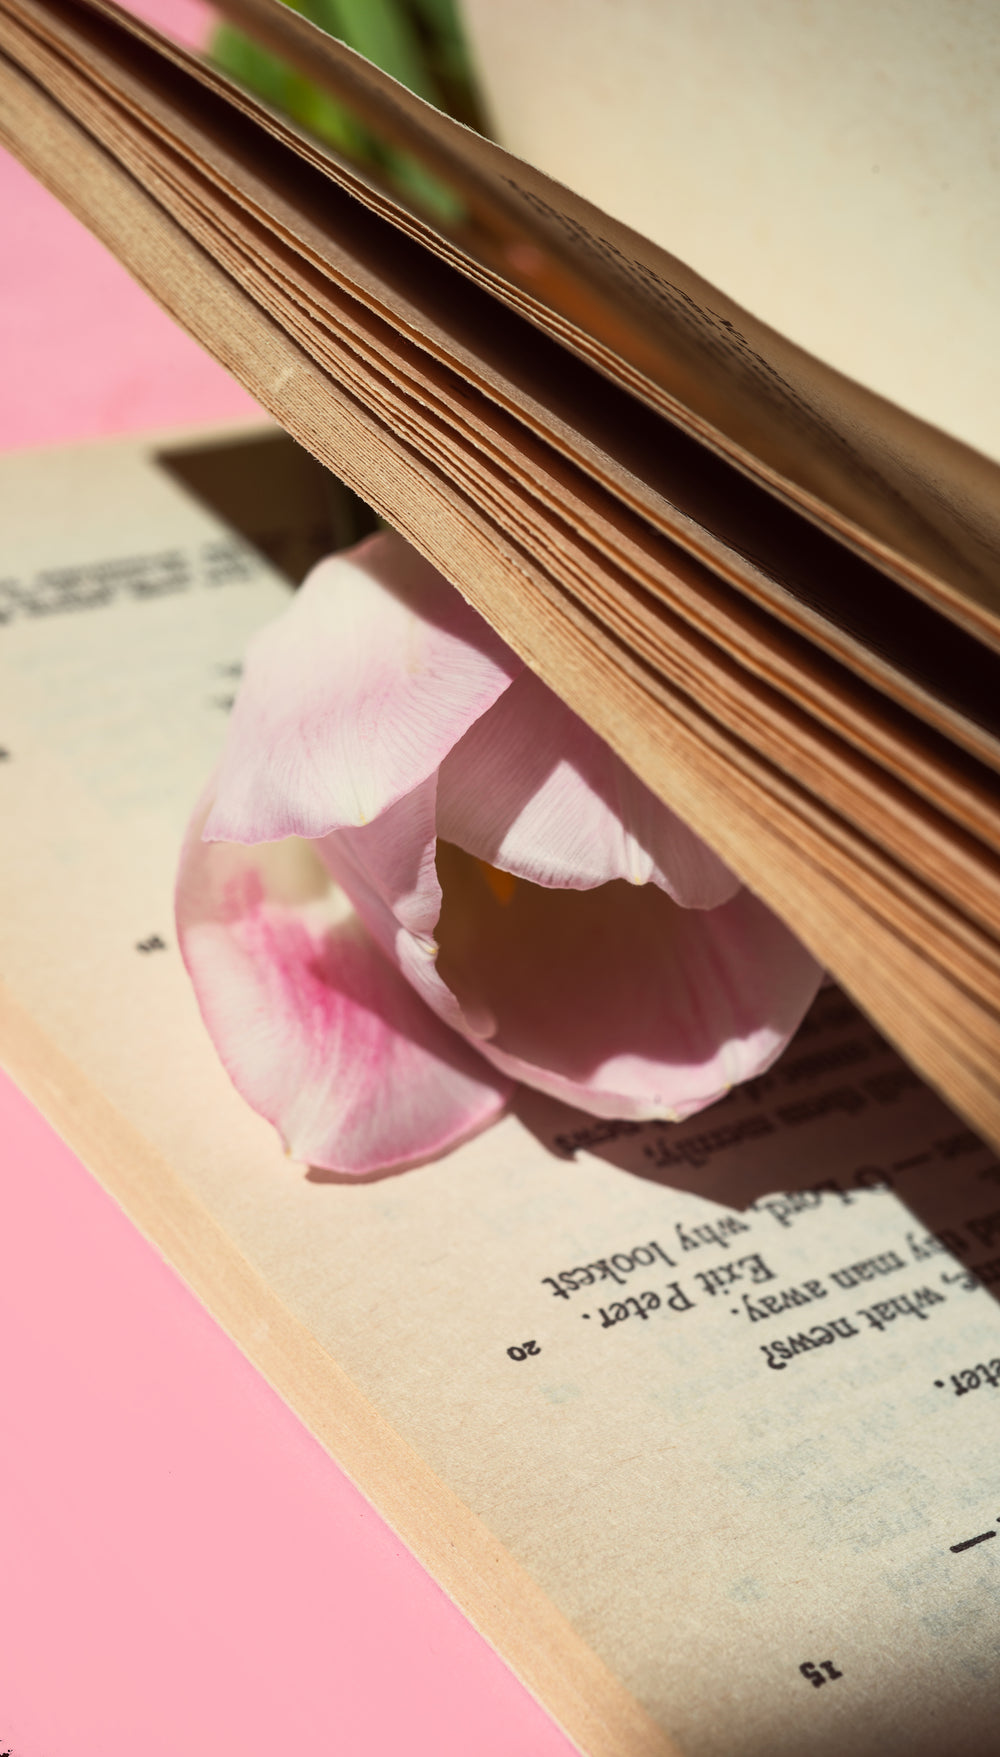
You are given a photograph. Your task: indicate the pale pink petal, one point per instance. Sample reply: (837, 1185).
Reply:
(387, 867)
(616, 999)
(354, 696)
(388, 870)
(533, 791)
(317, 1029)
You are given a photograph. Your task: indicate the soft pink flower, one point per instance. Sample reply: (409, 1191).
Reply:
(417, 878)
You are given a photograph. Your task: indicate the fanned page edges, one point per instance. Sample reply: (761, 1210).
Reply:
(747, 537)
(814, 790)
(921, 505)
(751, 540)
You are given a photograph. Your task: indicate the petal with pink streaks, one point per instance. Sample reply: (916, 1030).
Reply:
(318, 1030)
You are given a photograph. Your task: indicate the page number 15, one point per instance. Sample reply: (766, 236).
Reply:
(815, 1672)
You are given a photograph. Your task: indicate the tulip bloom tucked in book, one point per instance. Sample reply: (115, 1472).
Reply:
(417, 878)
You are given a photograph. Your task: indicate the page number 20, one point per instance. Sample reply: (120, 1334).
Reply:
(815, 1672)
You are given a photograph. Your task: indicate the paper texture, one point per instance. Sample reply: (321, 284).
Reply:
(833, 168)
(746, 1441)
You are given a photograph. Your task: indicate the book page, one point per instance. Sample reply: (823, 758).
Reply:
(897, 489)
(834, 169)
(352, 271)
(728, 1391)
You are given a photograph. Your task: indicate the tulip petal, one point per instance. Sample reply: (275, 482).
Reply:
(616, 999)
(354, 696)
(533, 791)
(388, 870)
(387, 867)
(317, 1029)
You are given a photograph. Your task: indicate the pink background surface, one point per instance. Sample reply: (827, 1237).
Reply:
(182, 1568)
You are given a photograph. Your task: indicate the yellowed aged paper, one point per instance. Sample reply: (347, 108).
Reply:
(832, 168)
(897, 491)
(745, 1441)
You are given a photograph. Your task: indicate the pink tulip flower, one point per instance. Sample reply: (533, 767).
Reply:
(418, 878)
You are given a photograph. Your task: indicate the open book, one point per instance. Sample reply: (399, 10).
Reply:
(773, 593)
(698, 1422)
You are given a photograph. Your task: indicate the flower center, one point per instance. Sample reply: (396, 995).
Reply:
(561, 978)
(502, 884)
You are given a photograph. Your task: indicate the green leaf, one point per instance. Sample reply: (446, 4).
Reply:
(288, 92)
(403, 45)
(382, 31)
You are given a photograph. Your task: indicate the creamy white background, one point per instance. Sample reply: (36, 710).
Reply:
(834, 165)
